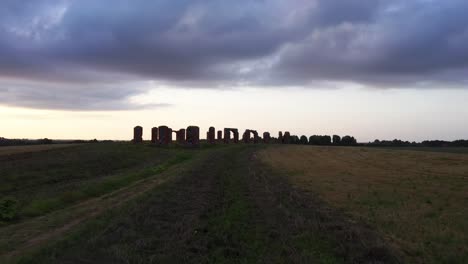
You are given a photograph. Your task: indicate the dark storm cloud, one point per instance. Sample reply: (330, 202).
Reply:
(72, 97)
(89, 46)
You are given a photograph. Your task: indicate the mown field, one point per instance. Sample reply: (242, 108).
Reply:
(417, 199)
(126, 203)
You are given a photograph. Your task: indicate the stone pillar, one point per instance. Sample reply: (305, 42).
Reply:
(266, 137)
(287, 138)
(236, 135)
(193, 136)
(280, 137)
(180, 136)
(170, 135)
(246, 136)
(137, 134)
(154, 135)
(256, 137)
(211, 135)
(220, 135)
(227, 135)
(165, 135)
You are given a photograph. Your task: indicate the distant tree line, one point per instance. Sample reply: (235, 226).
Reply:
(43, 141)
(426, 143)
(326, 140)
(21, 142)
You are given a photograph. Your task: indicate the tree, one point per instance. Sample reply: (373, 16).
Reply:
(348, 141)
(336, 140)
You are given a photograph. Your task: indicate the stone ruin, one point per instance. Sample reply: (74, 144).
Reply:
(154, 135)
(193, 136)
(246, 136)
(211, 135)
(180, 136)
(137, 134)
(266, 137)
(227, 135)
(165, 135)
(162, 135)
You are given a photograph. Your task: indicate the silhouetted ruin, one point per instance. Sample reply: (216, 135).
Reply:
(137, 134)
(193, 136)
(154, 135)
(266, 137)
(227, 135)
(246, 136)
(165, 135)
(180, 136)
(210, 136)
(162, 135)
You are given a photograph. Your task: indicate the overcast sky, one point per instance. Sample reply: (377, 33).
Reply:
(370, 68)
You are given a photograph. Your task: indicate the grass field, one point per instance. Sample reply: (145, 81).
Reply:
(126, 203)
(417, 199)
(11, 150)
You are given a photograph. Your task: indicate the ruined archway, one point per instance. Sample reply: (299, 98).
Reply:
(246, 136)
(227, 135)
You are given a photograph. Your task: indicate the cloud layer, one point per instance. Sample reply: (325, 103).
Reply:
(89, 48)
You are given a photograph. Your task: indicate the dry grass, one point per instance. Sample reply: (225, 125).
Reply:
(418, 200)
(10, 150)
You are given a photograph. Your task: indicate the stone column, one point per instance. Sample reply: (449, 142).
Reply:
(236, 135)
(227, 135)
(165, 135)
(266, 137)
(193, 136)
(211, 135)
(154, 135)
(246, 136)
(180, 136)
(137, 134)
(256, 137)
(220, 135)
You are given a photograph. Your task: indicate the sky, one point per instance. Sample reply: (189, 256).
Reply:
(374, 69)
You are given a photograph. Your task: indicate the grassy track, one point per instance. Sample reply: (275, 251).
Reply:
(417, 199)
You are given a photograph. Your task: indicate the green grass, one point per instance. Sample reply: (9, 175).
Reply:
(46, 181)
